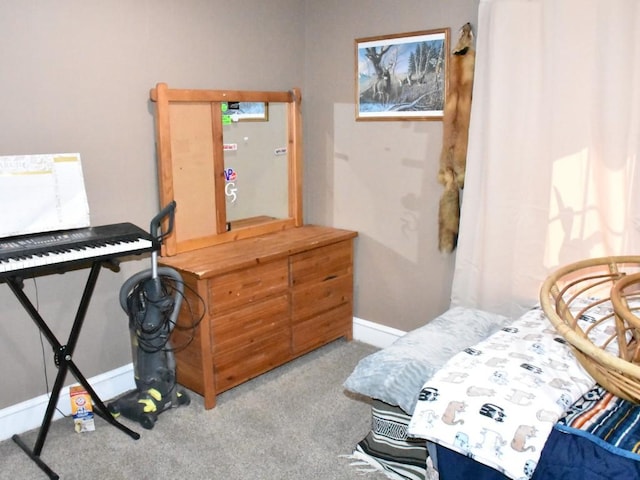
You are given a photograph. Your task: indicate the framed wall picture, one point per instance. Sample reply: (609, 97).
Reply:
(402, 76)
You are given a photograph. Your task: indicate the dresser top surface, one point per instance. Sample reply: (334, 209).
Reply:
(225, 257)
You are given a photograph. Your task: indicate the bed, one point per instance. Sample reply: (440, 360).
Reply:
(476, 395)
(393, 378)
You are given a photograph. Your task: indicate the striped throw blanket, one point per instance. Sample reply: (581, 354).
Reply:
(607, 420)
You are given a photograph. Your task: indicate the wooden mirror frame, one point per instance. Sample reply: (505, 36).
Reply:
(189, 128)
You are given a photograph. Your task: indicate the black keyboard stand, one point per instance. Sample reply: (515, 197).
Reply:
(63, 357)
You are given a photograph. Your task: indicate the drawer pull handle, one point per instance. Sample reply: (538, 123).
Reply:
(330, 277)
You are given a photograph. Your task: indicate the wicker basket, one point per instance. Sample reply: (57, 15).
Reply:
(577, 291)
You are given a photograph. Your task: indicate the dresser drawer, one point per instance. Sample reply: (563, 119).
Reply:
(191, 352)
(239, 365)
(323, 328)
(320, 264)
(189, 360)
(235, 289)
(242, 327)
(310, 299)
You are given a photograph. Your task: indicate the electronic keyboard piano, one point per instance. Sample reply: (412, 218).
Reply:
(56, 252)
(24, 254)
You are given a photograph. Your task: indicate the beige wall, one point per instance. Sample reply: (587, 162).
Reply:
(76, 77)
(377, 177)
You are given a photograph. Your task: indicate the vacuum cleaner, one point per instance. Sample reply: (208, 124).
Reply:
(152, 299)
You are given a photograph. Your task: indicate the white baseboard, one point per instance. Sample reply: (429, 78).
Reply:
(374, 334)
(28, 415)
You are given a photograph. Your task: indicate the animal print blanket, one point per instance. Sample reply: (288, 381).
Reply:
(498, 401)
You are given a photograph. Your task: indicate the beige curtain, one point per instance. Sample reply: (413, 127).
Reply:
(554, 143)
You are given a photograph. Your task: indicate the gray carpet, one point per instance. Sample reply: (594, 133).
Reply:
(294, 422)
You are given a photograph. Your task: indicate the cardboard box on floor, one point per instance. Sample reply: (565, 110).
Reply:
(81, 409)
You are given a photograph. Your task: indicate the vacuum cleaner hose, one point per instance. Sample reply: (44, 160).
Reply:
(130, 285)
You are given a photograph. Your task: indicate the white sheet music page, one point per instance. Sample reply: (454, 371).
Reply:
(42, 193)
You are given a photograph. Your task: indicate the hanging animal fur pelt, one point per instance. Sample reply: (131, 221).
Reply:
(455, 128)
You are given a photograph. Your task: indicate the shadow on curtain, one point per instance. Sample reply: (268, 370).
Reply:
(553, 146)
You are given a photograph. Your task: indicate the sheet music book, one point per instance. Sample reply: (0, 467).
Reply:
(42, 193)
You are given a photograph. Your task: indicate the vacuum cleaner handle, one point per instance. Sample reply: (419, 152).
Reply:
(154, 229)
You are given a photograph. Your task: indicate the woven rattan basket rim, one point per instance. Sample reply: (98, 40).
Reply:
(547, 302)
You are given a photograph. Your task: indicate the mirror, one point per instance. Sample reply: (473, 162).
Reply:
(232, 161)
(255, 163)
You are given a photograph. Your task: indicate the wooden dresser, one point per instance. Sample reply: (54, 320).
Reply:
(264, 301)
